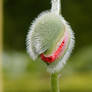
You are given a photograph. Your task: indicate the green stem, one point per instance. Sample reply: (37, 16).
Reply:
(55, 82)
(56, 6)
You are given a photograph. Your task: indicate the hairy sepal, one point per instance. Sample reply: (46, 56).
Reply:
(43, 33)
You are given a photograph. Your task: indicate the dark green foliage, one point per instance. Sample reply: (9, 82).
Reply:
(18, 14)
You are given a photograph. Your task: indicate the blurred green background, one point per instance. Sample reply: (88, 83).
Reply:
(23, 75)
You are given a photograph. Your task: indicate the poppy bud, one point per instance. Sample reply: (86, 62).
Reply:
(51, 38)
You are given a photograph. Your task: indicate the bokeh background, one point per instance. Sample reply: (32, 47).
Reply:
(23, 75)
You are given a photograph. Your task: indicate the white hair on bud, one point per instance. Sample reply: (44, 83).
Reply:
(55, 6)
(29, 46)
(58, 66)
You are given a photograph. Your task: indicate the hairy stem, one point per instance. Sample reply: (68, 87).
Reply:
(55, 82)
(56, 6)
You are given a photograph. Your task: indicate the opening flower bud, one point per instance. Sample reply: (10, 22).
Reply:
(51, 38)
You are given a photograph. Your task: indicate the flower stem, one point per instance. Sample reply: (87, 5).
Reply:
(56, 6)
(55, 82)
